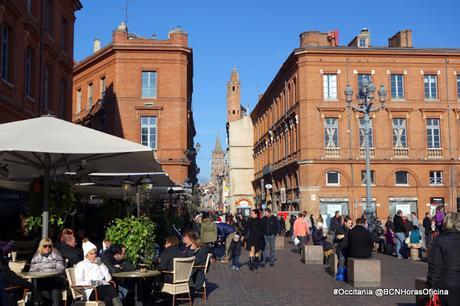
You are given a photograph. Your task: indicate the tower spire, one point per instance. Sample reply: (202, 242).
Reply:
(233, 97)
(218, 147)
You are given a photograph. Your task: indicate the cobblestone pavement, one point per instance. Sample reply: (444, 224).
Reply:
(291, 282)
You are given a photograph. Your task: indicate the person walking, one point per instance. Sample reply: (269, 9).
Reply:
(254, 236)
(444, 261)
(208, 230)
(235, 251)
(271, 229)
(301, 230)
(334, 223)
(400, 230)
(427, 232)
(439, 218)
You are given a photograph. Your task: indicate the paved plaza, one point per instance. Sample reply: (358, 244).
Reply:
(291, 282)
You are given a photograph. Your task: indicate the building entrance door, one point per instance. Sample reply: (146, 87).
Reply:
(328, 207)
(406, 206)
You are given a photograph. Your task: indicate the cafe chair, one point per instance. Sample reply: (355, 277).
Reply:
(205, 268)
(17, 266)
(77, 291)
(182, 269)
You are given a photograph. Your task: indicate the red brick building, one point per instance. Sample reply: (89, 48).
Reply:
(36, 58)
(141, 89)
(309, 145)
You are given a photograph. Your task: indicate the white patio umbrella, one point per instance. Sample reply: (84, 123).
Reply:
(49, 146)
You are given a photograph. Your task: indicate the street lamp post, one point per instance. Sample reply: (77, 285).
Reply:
(365, 107)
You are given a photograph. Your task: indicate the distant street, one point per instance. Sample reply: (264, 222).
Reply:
(291, 282)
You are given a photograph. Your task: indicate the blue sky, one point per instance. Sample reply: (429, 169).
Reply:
(257, 36)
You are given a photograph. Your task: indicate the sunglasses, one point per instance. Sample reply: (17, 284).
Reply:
(47, 246)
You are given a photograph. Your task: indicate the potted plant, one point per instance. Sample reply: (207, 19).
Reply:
(137, 235)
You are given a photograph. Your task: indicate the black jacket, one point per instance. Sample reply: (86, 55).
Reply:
(271, 225)
(254, 234)
(444, 261)
(341, 230)
(167, 261)
(235, 248)
(360, 243)
(334, 224)
(399, 225)
(73, 255)
(200, 254)
(427, 225)
(114, 265)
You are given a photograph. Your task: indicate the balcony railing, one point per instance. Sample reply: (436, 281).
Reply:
(401, 152)
(362, 152)
(434, 152)
(332, 151)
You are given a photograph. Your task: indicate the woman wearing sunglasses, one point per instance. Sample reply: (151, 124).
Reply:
(48, 259)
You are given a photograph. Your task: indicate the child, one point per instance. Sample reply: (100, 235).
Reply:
(235, 249)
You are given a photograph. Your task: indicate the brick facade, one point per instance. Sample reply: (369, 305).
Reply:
(34, 49)
(120, 66)
(290, 149)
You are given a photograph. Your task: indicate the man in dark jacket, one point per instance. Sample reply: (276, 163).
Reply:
(427, 226)
(114, 260)
(400, 230)
(170, 252)
(360, 243)
(341, 238)
(334, 222)
(69, 251)
(271, 228)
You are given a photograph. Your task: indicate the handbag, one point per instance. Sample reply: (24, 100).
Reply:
(434, 301)
(296, 241)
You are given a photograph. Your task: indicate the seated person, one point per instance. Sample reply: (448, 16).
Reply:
(48, 259)
(319, 237)
(200, 251)
(69, 250)
(9, 278)
(106, 244)
(114, 260)
(360, 242)
(93, 272)
(166, 261)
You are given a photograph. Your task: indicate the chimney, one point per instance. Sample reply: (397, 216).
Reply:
(178, 36)
(318, 39)
(96, 45)
(363, 40)
(402, 39)
(120, 34)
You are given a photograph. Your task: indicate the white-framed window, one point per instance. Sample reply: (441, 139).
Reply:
(430, 82)
(330, 86)
(362, 77)
(397, 86)
(5, 33)
(362, 133)
(149, 132)
(399, 133)
(149, 84)
(90, 95)
(102, 86)
(433, 133)
(458, 86)
(333, 178)
(28, 72)
(436, 178)
(361, 42)
(78, 110)
(331, 132)
(363, 177)
(402, 178)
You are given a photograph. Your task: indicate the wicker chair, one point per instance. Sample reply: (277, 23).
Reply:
(77, 291)
(205, 268)
(182, 270)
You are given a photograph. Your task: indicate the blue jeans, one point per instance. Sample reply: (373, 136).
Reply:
(269, 252)
(236, 260)
(400, 237)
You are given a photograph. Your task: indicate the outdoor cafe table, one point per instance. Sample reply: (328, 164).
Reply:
(137, 275)
(33, 276)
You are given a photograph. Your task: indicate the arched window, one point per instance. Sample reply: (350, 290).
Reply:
(402, 178)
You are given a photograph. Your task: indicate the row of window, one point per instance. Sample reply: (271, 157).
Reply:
(149, 89)
(430, 86)
(401, 178)
(433, 132)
